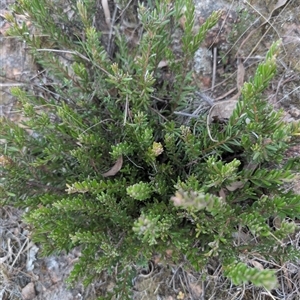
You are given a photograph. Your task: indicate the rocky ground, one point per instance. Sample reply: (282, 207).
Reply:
(228, 57)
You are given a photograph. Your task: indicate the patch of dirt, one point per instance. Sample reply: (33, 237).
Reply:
(25, 276)
(16, 65)
(244, 34)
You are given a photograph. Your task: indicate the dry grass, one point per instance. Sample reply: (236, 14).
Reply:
(15, 247)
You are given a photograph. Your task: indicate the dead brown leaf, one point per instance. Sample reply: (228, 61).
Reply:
(257, 265)
(162, 64)
(115, 169)
(239, 79)
(222, 110)
(222, 194)
(235, 185)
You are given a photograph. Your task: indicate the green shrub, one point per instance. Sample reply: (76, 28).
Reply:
(105, 163)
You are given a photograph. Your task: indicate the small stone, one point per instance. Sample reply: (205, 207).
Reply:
(294, 112)
(28, 292)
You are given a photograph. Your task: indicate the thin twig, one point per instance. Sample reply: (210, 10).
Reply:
(206, 98)
(214, 68)
(109, 44)
(74, 53)
(106, 12)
